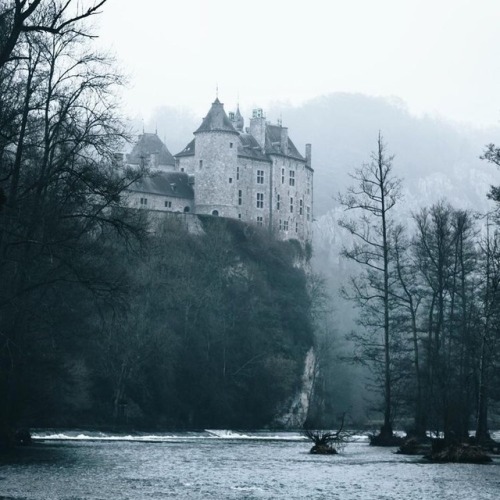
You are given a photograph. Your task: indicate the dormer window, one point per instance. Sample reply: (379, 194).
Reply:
(173, 186)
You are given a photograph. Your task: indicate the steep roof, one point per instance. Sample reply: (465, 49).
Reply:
(147, 145)
(249, 148)
(273, 143)
(173, 184)
(239, 120)
(216, 120)
(188, 150)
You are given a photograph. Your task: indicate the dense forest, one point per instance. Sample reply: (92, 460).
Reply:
(116, 317)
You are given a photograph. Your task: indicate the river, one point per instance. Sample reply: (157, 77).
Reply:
(228, 465)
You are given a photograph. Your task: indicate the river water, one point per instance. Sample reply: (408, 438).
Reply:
(227, 465)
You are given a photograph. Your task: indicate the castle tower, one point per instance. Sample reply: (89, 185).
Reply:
(215, 164)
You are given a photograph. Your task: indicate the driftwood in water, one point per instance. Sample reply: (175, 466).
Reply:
(328, 442)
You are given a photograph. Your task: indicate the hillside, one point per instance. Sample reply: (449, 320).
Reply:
(211, 332)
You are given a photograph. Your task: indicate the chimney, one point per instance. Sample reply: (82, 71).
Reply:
(258, 126)
(308, 155)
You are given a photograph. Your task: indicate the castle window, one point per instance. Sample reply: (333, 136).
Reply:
(215, 213)
(237, 173)
(144, 201)
(240, 196)
(260, 200)
(291, 180)
(231, 145)
(201, 163)
(281, 225)
(260, 220)
(301, 207)
(308, 212)
(168, 204)
(182, 169)
(186, 210)
(291, 205)
(296, 227)
(230, 180)
(278, 200)
(282, 176)
(239, 216)
(260, 176)
(285, 225)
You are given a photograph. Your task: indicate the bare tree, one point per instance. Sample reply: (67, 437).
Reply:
(49, 16)
(489, 305)
(329, 442)
(407, 293)
(374, 195)
(444, 247)
(62, 192)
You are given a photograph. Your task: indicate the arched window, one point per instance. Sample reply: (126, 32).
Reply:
(186, 210)
(215, 212)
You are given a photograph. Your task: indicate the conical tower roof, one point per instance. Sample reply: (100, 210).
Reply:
(238, 119)
(216, 120)
(147, 145)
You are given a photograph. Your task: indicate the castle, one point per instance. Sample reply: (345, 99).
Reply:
(255, 174)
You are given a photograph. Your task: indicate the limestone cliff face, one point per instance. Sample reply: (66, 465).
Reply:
(294, 412)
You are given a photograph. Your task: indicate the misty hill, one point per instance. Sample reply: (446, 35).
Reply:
(434, 157)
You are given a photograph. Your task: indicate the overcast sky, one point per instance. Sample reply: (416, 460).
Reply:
(439, 56)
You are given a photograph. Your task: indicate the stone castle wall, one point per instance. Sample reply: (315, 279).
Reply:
(215, 169)
(157, 202)
(292, 198)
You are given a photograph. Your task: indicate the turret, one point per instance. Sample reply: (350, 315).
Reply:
(215, 163)
(239, 121)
